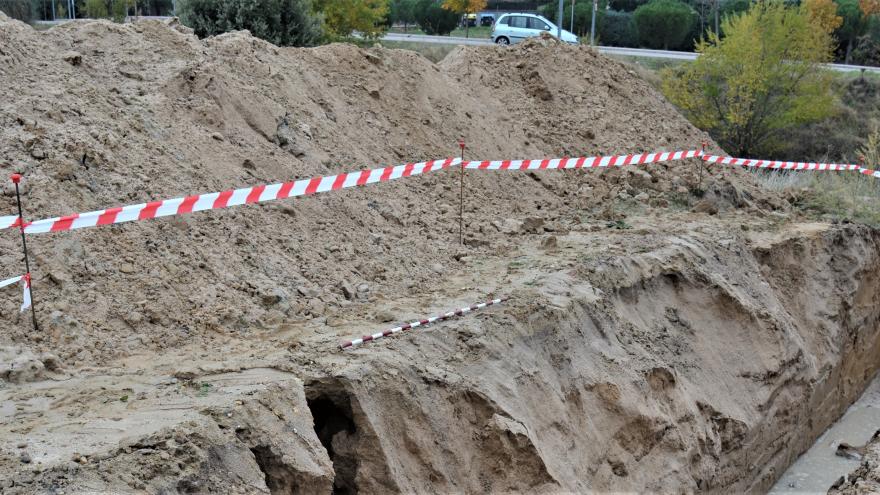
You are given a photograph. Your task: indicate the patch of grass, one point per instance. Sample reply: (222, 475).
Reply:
(829, 195)
(474, 32)
(204, 389)
(434, 52)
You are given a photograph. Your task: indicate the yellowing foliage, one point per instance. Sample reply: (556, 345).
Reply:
(762, 77)
(823, 13)
(464, 6)
(344, 17)
(869, 7)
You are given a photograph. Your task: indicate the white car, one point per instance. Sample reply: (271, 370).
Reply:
(513, 28)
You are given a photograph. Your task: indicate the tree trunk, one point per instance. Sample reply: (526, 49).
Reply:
(849, 45)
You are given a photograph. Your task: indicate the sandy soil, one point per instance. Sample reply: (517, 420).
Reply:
(668, 331)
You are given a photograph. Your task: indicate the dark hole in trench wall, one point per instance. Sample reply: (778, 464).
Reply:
(335, 426)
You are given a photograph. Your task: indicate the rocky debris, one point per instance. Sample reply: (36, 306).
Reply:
(19, 365)
(72, 58)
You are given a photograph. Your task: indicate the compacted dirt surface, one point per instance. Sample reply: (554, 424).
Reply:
(669, 328)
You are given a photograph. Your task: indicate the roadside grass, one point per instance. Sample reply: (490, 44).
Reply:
(840, 196)
(459, 32)
(434, 52)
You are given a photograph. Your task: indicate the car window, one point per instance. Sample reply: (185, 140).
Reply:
(503, 20)
(518, 21)
(538, 24)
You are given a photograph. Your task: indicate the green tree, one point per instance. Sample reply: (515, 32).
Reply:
(282, 22)
(434, 19)
(665, 24)
(855, 24)
(583, 14)
(619, 29)
(464, 7)
(763, 77)
(344, 17)
(96, 9)
(626, 5)
(23, 10)
(402, 12)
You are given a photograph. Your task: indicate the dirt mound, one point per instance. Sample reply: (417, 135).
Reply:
(120, 114)
(636, 353)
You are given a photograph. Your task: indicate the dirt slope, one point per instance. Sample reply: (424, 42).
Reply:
(657, 339)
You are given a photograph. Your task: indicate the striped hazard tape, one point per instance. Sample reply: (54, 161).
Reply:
(10, 281)
(420, 323)
(583, 162)
(26, 285)
(225, 199)
(8, 221)
(868, 171)
(776, 164)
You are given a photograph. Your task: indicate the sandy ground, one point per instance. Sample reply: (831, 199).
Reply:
(668, 330)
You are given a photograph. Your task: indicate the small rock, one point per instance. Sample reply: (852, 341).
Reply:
(316, 306)
(335, 321)
(533, 225)
(72, 58)
(384, 316)
(347, 290)
(508, 225)
(127, 268)
(218, 137)
(22, 445)
(549, 243)
(25, 458)
(642, 196)
(248, 164)
(705, 206)
(309, 292)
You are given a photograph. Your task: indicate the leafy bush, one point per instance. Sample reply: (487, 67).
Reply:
(665, 24)
(760, 80)
(282, 22)
(105, 9)
(434, 19)
(619, 29)
(626, 5)
(23, 10)
(583, 15)
(402, 12)
(866, 51)
(344, 17)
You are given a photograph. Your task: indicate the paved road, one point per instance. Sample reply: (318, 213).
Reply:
(608, 50)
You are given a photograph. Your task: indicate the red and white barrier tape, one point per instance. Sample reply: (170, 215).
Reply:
(583, 162)
(256, 194)
(419, 323)
(8, 221)
(26, 285)
(10, 281)
(868, 171)
(775, 164)
(259, 194)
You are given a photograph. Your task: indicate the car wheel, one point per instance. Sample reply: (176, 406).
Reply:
(501, 40)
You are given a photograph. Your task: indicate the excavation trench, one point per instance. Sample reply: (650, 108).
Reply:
(704, 368)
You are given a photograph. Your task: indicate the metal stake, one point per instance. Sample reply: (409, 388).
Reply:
(16, 178)
(461, 196)
(702, 151)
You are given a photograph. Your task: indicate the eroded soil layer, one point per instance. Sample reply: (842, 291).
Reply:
(707, 361)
